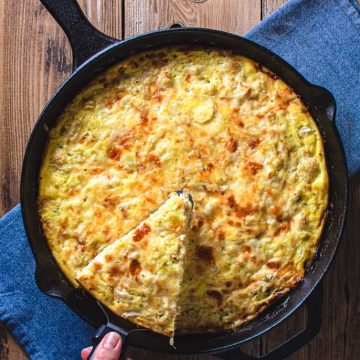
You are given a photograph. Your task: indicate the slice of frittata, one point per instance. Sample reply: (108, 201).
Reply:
(138, 277)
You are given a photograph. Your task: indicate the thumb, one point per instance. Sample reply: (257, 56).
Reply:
(109, 347)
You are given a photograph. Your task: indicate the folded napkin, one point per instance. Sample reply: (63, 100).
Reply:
(321, 38)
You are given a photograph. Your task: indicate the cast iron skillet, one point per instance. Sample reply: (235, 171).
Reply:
(92, 53)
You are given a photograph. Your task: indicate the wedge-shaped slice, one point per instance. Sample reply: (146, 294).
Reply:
(138, 276)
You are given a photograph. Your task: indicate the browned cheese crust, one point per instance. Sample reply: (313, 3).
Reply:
(139, 276)
(217, 124)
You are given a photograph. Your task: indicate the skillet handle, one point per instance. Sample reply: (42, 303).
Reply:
(324, 100)
(85, 39)
(314, 305)
(101, 332)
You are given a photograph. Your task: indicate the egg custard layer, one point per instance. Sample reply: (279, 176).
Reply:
(139, 276)
(214, 123)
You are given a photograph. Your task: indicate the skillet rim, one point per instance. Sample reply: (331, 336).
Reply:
(114, 48)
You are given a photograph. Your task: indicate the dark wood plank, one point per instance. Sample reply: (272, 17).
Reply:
(35, 59)
(228, 15)
(34, 47)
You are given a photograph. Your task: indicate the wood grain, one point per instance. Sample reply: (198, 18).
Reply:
(269, 6)
(35, 47)
(36, 58)
(105, 15)
(236, 16)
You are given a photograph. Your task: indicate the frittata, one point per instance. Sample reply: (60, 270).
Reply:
(213, 122)
(139, 275)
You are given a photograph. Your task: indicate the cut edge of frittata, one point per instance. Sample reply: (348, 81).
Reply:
(139, 276)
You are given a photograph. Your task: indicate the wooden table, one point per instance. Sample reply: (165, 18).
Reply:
(35, 58)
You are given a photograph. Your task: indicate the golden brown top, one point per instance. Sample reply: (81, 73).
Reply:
(218, 124)
(139, 275)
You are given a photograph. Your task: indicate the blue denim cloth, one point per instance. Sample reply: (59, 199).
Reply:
(44, 326)
(321, 38)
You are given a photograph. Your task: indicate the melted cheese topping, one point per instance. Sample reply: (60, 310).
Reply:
(138, 276)
(217, 124)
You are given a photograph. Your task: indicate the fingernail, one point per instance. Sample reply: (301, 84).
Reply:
(111, 340)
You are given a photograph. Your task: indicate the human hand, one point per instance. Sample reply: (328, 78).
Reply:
(108, 349)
